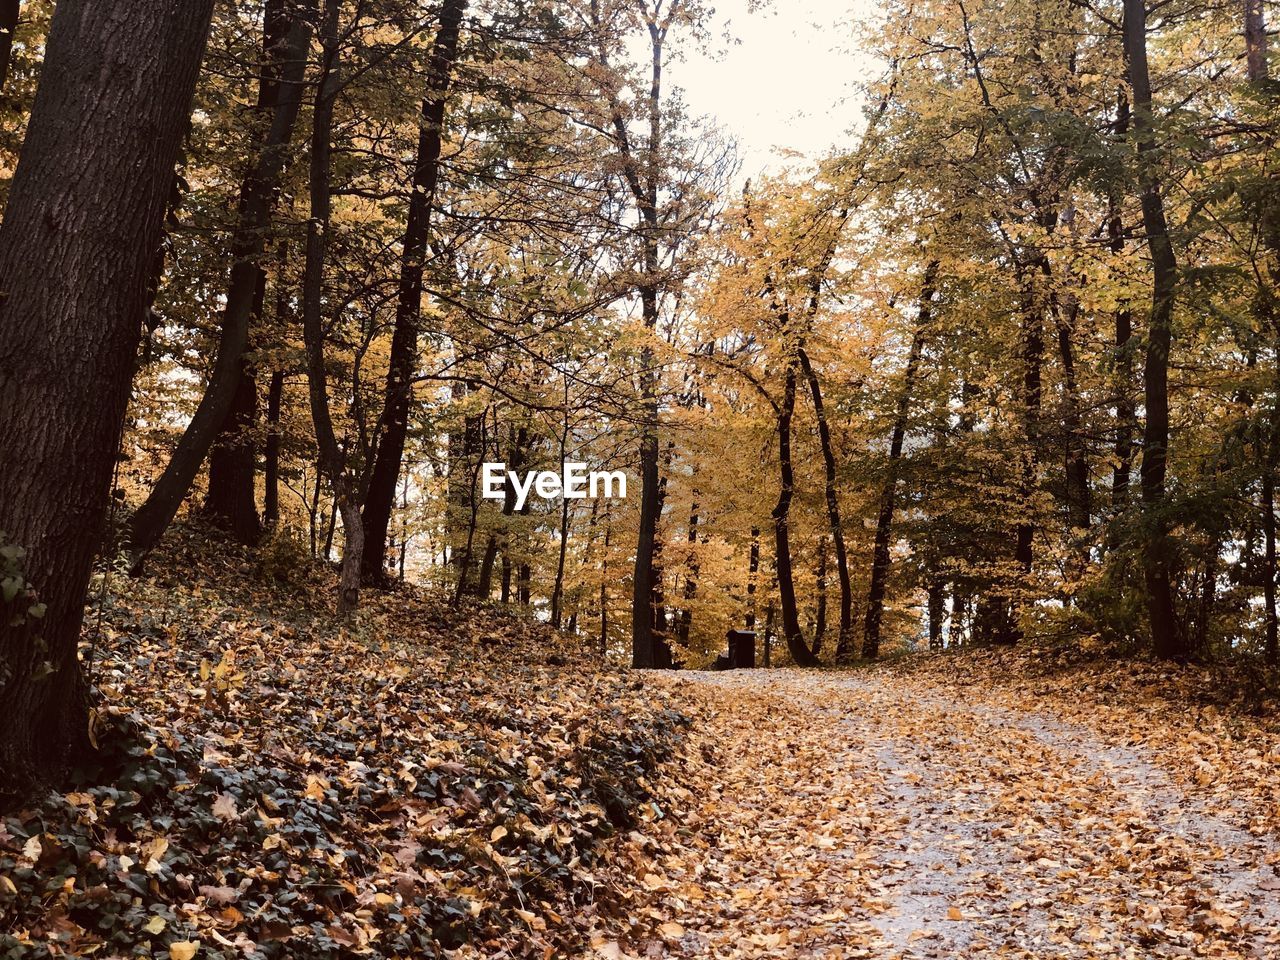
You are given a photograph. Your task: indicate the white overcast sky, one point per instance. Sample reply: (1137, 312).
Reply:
(790, 81)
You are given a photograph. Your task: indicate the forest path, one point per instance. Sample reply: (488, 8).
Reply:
(866, 815)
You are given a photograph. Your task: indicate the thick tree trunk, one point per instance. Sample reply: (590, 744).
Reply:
(844, 641)
(257, 200)
(1166, 638)
(381, 495)
(331, 455)
(79, 235)
(880, 555)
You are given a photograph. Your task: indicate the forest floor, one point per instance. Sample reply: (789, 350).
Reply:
(432, 779)
(427, 779)
(966, 807)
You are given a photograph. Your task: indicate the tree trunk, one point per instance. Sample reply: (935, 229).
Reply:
(515, 461)
(644, 652)
(271, 469)
(844, 641)
(1079, 502)
(1032, 357)
(381, 495)
(647, 650)
(937, 612)
(331, 526)
(9, 13)
(820, 617)
(880, 556)
(331, 454)
(685, 623)
(557, 591)
(1255, 41)
(770, 618)
(484, 585)
(79, 235)
(258, 196)
(1166, 638)
(796, 645)
(230, 501)
(275, 396)
(753, 570)
(604, 586)
(1272, 643)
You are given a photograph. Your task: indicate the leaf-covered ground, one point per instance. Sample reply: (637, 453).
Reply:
(441, 781)
(426, 781)
(930, 812)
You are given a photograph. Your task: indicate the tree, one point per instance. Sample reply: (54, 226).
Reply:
(258, 196)
(641, 136)
(89, 197)
(381, 496)
(1166, 638)
(880, 557)
(345, 485)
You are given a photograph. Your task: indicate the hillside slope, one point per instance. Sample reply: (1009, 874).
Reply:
(275, 784)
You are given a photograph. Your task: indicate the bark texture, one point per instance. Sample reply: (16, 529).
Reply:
(79, 235)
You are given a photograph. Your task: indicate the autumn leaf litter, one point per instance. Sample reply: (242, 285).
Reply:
(441, 781)
(967, 807)
(426, 781)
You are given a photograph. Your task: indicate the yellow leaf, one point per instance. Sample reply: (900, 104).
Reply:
(497, 834)
(183, 949)
(155, 926)
(954, 913)
(671, 930)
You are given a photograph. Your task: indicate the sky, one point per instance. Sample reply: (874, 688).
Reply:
(789, 81)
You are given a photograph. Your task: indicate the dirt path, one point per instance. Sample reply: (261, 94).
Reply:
(860, 816)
